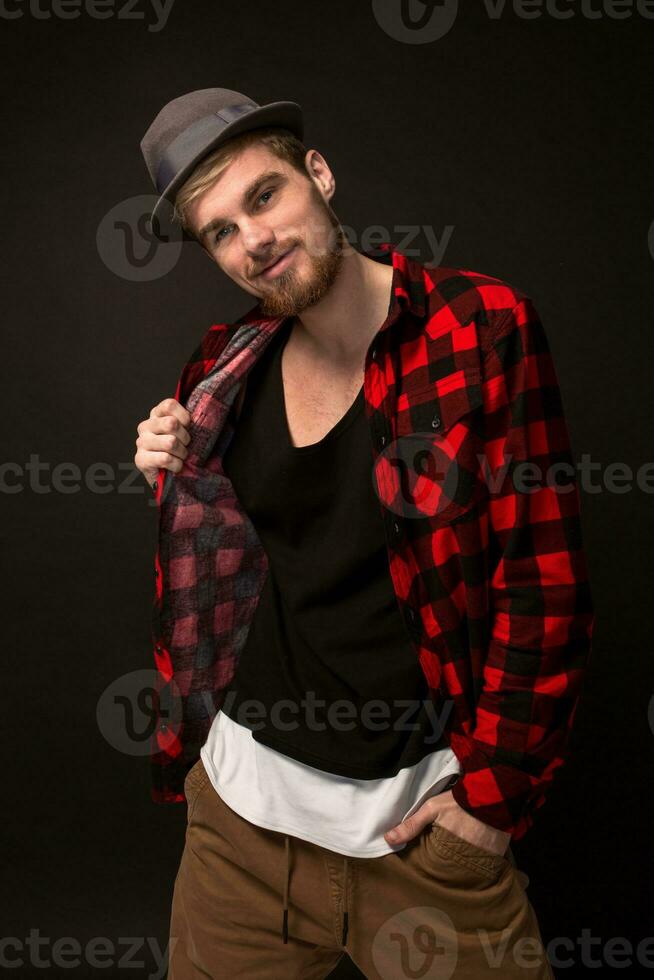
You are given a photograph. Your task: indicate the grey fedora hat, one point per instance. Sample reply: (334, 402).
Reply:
(190, 127)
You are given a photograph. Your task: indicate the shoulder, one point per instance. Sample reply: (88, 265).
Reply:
(473, 308)
(207, 352)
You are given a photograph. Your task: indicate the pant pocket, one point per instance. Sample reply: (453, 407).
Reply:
(196, 779)
(447, 846)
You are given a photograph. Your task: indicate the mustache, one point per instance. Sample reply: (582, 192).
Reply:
(272, 259)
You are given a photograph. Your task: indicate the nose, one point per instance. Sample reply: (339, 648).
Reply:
(258, 240)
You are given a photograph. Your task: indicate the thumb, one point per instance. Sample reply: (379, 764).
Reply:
(410, 827)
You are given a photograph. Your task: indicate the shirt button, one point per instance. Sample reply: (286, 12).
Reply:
(374, 353)
(411, 617)
(163, 728)
(383, 440)
(435, 422)
(396, 527)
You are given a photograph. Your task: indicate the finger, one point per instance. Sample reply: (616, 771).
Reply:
(164, 424)
(170, 406)
(157, 461)
(162, 442)
(409, 828)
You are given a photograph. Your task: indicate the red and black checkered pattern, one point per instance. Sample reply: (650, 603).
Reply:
(487, 566)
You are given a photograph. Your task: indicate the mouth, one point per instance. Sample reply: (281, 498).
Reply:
(279, 264)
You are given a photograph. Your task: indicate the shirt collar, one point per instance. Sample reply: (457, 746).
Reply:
(408, 286)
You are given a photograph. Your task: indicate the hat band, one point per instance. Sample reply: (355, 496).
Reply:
(194, 139)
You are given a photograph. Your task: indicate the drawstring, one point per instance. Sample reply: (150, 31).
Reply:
(287, 848)
(345, 915)
(287, 845)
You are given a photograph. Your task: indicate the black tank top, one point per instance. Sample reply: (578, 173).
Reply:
(327, 620)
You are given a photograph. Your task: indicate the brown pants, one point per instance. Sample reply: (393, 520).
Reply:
(438, 908)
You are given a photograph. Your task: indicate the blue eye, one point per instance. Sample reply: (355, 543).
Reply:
(218, 236)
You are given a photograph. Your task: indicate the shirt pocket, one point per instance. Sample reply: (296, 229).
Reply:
(438, 448)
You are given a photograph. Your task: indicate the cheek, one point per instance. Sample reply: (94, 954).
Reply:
(236, 267)
(300, 262)
(309, 225)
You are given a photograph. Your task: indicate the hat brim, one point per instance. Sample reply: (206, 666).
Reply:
(286, 114)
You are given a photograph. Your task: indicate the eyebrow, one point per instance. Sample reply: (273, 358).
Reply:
(248, 194)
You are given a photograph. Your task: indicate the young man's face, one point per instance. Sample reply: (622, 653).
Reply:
(261, 208)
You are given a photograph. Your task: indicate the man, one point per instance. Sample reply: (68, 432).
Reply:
(366, 502)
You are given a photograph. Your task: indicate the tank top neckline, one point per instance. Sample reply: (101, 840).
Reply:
(336, 430)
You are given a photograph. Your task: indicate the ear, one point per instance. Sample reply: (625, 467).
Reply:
(320, 173)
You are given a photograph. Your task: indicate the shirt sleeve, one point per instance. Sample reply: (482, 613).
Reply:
(541, 615)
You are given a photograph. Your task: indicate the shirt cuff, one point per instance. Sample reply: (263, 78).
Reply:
(498, 794)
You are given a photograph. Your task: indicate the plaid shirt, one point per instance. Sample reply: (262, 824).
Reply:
(485, 556)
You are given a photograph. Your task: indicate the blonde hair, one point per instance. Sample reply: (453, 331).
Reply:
(279, 141)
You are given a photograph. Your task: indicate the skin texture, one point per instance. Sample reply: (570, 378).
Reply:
(338, 299)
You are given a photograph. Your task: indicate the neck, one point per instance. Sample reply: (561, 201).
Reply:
(340, 327)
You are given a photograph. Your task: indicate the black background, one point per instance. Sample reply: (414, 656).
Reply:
(532, 140)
